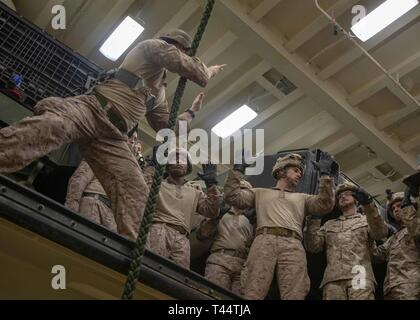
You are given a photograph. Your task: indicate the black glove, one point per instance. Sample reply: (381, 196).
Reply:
(363, 197)
(406, 201)
(209, 175)
(324, 166)
(251, 215)
(223, 210)
(408, 192)
(241, 166)
(413, 190)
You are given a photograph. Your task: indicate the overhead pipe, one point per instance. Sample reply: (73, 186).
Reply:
(368, 55)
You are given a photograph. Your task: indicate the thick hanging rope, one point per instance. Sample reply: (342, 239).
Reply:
(140, 246)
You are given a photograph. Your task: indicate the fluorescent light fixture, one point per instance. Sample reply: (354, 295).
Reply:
(122, 37)
(234, 121)
(381, 17)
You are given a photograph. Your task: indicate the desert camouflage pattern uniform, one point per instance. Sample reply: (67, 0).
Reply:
(348, 241)
(82, 183)
(176, 206)
(280, 254)
(82, 119)
(411, 219)
(402, 281)
(232, 236)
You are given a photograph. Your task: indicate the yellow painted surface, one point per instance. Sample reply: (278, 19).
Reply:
(26, 271)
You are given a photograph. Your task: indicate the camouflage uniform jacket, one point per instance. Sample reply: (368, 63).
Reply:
(411, 219)
(348, 242)
(403, 259)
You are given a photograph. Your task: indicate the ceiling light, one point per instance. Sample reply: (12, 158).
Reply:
(381, 17)
(122, 38)
(234, 121)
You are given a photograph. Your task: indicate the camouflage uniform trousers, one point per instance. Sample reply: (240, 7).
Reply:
(225, 271)
(405, 291)
(58, 121)
(343, 290)
(283, 255)
(169, 243)
(98, 212)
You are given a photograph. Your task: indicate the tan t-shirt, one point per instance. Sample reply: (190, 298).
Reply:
(277, 208)
(233, 232)
(151, 59)
(178, 203)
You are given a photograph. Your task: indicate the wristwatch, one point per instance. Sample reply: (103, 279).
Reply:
(191, 113)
